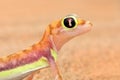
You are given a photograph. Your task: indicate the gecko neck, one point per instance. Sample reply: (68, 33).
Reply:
(48, 38)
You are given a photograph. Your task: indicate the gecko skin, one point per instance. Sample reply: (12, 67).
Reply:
(44, 53)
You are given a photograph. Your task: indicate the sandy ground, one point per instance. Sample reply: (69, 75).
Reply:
(92, 56)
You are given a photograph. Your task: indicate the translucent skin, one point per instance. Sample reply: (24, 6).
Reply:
(55, 36)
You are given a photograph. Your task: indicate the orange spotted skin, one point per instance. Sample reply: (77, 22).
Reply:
(55, 36)
(26, 56)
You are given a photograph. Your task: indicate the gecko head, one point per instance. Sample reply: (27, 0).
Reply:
(67, 28)
(73, 26)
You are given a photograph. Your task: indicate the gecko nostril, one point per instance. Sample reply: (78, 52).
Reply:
(88, 22)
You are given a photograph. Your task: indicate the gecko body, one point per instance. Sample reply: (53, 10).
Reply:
(44, 53)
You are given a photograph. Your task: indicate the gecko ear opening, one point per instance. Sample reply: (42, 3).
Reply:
(69, 22)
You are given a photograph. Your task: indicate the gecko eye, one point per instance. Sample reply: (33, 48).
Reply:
(69, 22)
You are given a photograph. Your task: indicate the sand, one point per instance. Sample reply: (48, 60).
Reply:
(92, 56)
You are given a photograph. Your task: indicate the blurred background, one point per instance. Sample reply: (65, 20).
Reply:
(92, 56)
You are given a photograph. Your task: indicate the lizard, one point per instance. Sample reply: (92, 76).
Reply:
(44, 53)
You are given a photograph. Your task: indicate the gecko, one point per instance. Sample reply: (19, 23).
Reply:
(44, 53)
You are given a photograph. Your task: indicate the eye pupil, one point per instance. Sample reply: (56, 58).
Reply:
(69, 22)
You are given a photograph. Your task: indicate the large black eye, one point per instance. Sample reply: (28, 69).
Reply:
(69, 22)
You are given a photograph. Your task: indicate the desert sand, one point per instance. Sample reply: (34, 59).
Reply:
(92, 56)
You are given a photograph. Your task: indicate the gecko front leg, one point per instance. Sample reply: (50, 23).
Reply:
(52, 59)
(54, 68)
